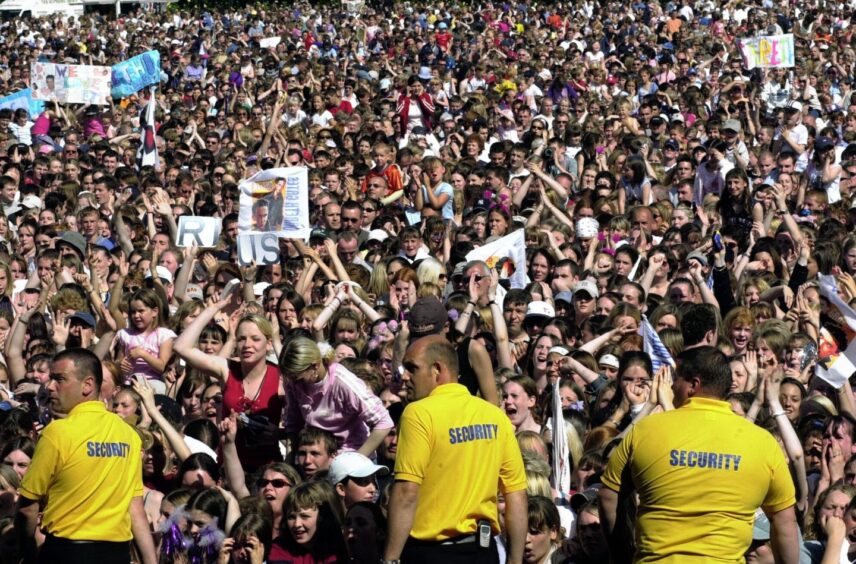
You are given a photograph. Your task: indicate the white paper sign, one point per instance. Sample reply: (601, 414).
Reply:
(269, 42)
(204, 231)
(261, 248)
(508, 254)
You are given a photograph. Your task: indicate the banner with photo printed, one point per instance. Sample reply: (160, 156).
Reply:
(276, 201)
(508, 256)
(70, 84)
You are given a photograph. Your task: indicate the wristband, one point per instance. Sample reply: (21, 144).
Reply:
(778, 414)
(472, 303)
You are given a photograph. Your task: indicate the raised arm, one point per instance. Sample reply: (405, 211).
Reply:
(186, 344)
(175, 438)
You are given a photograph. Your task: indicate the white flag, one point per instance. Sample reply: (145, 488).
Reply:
(561, 451)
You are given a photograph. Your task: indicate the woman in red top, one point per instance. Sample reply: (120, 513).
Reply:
(251, 386)
(415, 108)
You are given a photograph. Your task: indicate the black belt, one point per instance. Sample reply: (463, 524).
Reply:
(466, 539)
(459, 540)
(60, 540)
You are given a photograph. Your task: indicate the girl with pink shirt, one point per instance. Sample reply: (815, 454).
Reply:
(146, 345)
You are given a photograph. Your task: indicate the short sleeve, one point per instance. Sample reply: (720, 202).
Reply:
(165, 335)
(512, 474)
(137, 469)
(46, 462)
(617, 461)
(414, 447)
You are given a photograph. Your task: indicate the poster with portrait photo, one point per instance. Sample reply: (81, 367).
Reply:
(275, 201)
(70, 84)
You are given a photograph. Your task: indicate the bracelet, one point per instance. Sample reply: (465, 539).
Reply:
(778, 414)
(472, 303)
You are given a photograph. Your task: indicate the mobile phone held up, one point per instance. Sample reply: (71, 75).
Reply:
(230, 288)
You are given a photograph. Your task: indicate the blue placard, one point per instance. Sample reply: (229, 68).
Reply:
(23, 99)
(131, 76)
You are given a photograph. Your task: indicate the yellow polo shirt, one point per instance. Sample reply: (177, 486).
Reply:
(700, 472)
(89, 467)
(457, 447)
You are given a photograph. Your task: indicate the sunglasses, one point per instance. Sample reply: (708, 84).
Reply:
(369, 209)
(276, 482)
(363, 482)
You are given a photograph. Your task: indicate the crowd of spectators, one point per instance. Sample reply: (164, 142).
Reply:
(655, 178)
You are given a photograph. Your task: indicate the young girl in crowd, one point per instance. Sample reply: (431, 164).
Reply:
(311, 529)
(146, 346)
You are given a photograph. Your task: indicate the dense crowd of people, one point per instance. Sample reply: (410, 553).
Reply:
(680, 214)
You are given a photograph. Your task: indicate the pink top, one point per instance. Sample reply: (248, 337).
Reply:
(341, 403)
(150, 342)
(42, 125)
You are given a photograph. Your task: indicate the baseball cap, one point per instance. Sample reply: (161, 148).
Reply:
(194, 292)
(587, 287)
(673, 145)
(74, 240)
(608, 360)
(427, 317)
(731, 124)
(579, 499)
(353, 465)
(163, 274)
(699, 256)
(84, 317)
(794, 106)
(563, 297)
(540, 308)
(587, 227)
(824, 143)
(32, 202)
(378, 235)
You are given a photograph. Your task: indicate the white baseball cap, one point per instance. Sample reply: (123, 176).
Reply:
(163, 273)
(540, 308)
(353, 465)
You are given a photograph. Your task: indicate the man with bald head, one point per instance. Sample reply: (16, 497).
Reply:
(453, 450)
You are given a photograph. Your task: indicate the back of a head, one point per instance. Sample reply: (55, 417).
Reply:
(696, 322)
(710, 366)
(86, 364)
(438, 349)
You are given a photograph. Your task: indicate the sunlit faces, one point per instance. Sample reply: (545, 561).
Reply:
(313, 458)
(303, 524)
(517, 402)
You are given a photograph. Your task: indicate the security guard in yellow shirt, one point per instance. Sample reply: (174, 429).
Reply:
(88, 468)
(700, 472)
(453, 450)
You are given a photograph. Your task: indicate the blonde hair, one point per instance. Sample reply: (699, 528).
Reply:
(299, 353)
(259, 321)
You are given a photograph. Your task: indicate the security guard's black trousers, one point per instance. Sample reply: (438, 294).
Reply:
(423, 552)
(57, 550)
